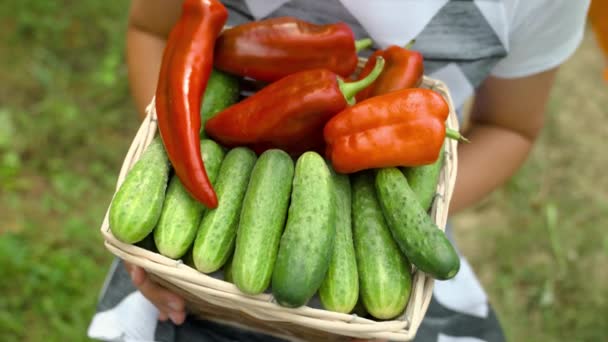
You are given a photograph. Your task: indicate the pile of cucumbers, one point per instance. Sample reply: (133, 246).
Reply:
(292, 227)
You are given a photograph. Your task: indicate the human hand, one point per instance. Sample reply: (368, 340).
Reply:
(170, 305)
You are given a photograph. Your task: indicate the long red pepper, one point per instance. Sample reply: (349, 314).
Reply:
(271, 49)
(185, 69)
(404, 69)
(290, 113)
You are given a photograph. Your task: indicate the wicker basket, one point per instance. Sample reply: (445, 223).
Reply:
(210, 297)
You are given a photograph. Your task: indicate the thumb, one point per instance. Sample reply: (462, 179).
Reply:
(138, 274)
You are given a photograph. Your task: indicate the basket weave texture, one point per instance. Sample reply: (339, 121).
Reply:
(214, 299)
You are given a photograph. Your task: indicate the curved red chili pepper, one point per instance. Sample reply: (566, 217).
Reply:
(185, 69)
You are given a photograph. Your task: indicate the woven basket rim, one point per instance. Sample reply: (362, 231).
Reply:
(209, 289)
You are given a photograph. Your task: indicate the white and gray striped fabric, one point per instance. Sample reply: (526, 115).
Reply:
(463, 42)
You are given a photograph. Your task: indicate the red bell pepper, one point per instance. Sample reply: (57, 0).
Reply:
(290, 113)
(185, 69)
(401, 128)
(270, 49)
(404, 69)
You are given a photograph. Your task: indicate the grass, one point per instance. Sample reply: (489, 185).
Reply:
(66, 120)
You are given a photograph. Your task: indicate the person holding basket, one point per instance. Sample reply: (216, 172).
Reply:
(502, 54)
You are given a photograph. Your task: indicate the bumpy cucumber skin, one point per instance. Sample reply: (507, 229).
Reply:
(138, 203)
(384, 272)
(216, 234)
(181, 214)
(307, 244)
(339, 291)
(418, 237)
(262, 221)
(222, 91)
(423, 180)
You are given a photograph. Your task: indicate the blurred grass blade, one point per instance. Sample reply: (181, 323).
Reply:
(551, 220)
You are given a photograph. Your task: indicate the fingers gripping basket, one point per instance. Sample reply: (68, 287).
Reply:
(215, 299)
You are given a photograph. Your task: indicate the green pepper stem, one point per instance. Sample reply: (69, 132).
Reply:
(452, 134)
(362, 44)
(349, 90)
(410, 44)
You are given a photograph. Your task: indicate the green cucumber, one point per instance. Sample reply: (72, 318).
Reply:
(187, 258)
(221, 92)
(262, 221)
(423, 180)
(216, 234)
(181, 214)
(308, 241)
(138, 203)
(384, 273)
(340, 290)
(424, 244)
(228, 271)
